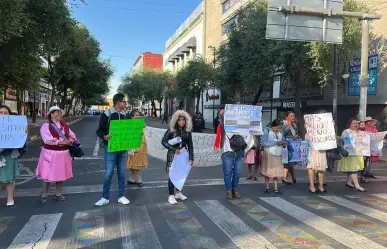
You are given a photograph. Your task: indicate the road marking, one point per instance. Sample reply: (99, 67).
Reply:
(137, 230)
(96, 148)
(37, 232)
(339, 233)
(88, 229)
(238, 232)
(382, 196)
(24, 177)
(357, 207)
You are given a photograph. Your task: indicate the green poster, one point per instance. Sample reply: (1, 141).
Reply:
(125, 134)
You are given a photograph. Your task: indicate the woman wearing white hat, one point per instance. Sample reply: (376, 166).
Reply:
(55, 163)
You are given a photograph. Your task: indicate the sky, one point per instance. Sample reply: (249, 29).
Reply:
(126, 28)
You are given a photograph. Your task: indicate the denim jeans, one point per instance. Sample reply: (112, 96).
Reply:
(232, 169)
(111, 159)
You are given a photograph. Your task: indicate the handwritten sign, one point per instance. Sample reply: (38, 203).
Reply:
(13, 131)
(126, 134)
(321, 131)
(357, 143)
(243, 119)
(298, 151)
(377, 143)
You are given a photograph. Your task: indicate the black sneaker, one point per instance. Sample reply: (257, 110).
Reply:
(59, 198)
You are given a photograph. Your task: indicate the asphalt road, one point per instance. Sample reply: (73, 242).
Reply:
(342, 218)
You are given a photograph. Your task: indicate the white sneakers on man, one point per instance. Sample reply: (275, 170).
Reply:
(178, 196)
(123, 200)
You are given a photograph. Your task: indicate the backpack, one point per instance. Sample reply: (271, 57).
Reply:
(237, 142)
(101, 141)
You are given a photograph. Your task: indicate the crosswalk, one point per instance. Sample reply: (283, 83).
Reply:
(308, 221)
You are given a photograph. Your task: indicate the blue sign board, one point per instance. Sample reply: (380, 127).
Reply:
(354, 76)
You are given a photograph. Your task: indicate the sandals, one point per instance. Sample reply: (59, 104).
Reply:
(249, 178)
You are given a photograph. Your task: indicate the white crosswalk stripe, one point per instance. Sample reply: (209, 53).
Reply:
(284, 224)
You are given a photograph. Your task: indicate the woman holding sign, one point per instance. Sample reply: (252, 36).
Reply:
(9, 164)
(55, 163)
(179, 126)
(137, 159)
(353, 163)
(290, 131)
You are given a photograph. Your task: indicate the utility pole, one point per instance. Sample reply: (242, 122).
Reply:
(364, 69)
(334, 79)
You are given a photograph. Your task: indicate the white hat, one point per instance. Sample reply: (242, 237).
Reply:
(53, 109)
(370, 119)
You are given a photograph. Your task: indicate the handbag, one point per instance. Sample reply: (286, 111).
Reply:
(75, 149)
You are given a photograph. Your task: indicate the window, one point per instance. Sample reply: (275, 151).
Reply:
(226, 27)
(228, 4)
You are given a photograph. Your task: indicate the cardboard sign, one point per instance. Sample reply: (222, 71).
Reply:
(126, 134)
(243, 119)
(13, 131)
(321, 131)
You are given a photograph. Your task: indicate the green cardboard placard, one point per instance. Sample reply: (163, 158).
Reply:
(125, 134)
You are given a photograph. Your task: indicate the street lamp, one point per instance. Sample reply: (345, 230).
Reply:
(213, 97)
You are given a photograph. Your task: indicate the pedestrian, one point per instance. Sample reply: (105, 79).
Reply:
(232, 159)
(118, 158)
(55, 162)
(9, 164)
(272, 168)
(137, 159)
(251, 157)
(290, 131)
(179, 126)
(165, 117)
(370, 127)
(352, 164)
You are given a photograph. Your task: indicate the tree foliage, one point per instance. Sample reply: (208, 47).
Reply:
(194, 78)
(150, 85)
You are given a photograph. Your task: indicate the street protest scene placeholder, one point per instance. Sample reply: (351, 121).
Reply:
(357, 143)
(125, 134)
(321, 131)
(377, 143)
(13, 131)
(243, 119)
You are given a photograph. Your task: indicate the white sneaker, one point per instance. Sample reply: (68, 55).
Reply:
(180, 196)
(10, 203)
(102, 202)
(123, 200)
(172, 200)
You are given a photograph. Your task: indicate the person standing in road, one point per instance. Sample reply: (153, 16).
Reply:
(165, 117)
(137, 159)
(9, 164)
(290, 131)
(55, 163)
(112, 158)
(180, 126)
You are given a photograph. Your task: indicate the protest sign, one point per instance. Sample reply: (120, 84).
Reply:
(125, 134)
(321, 131)
(203, 147)
(298, 151)
(180, 169)
(376, 141)
(357, 143)
(243, 119)
(13, 131)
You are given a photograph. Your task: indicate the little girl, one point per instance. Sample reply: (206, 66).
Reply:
(272, 167)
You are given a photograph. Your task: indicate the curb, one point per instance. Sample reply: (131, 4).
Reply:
(37, 136)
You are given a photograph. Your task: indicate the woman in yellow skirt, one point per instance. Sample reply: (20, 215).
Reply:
(137, 159)
(351, 164)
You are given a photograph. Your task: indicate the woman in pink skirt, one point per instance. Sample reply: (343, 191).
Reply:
(251, 157)
(55, 163)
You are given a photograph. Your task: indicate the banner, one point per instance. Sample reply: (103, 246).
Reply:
(357, 143)
(243, 119)
(125, 134)
(13, 131)
(321, 131)
(298, 151)
(203, 147)
(377, 143)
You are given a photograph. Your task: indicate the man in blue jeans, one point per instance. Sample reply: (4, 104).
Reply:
(112, 158)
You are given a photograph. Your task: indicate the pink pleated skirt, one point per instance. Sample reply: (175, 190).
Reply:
(54, 166)
(250, 157)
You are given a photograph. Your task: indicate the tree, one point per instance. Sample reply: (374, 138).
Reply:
(148, 84)
(13, 19)
(194, 78)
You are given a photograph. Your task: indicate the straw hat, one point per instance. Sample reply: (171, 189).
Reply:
(370, 119)
(53, 109)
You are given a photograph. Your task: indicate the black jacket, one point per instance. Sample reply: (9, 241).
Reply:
(104, 122)
(186, 138)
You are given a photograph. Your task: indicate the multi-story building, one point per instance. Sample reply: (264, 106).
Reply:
(146, 60)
